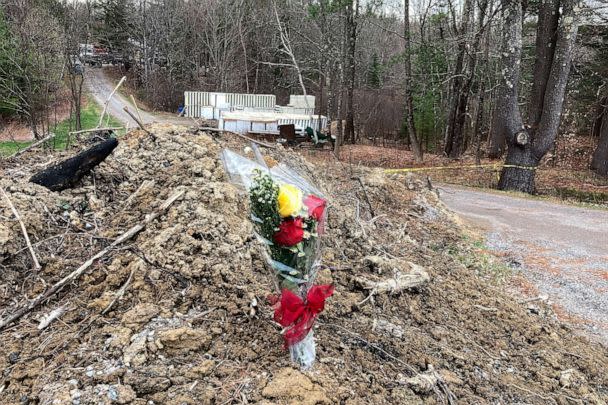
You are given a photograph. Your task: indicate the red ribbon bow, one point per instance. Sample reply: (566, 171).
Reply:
(297, 315)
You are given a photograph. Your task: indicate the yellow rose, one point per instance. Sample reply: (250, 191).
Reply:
(289, 200)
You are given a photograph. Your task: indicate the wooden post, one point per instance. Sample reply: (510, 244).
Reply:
(105, 106)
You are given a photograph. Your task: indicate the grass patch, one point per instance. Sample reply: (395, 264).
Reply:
(591, 197)
(475, 255)
(8, 148)
(89, 118)
(485, 264)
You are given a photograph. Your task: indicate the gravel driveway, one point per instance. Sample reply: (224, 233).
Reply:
(100, 87)
(562, 250)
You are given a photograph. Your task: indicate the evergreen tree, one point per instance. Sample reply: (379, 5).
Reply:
(114, 24)
(374, 74)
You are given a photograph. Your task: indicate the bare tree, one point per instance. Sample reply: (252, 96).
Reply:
(527, 146)
(288, 50)
(409, 98)
(31, 77)
(352, 16)
(76, 21)
(454, 139)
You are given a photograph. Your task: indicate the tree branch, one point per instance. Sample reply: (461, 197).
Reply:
(86, 265)
(23, 230)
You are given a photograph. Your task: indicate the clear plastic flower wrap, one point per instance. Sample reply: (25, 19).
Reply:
(288, 214)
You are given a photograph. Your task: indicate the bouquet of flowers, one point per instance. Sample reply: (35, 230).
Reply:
(288, 215)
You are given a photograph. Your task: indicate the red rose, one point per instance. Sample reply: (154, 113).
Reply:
(290, 232)
(316, 206)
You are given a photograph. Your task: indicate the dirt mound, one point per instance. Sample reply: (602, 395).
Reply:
(178, 315)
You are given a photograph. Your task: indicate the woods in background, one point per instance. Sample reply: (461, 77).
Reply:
(450, 78)
(31, 62)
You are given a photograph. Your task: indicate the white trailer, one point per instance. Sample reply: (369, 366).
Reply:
(302, 102)
(248, 121)
(252, 121)
(210, 105)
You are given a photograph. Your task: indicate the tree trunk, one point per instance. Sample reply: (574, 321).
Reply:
(351, 32)
(339, 114)
(519, 171)
(526, 149)
(339, 101)
(497, 142)
(600, 112)
(33, 125)
(548, 19)
(454, 133)
(600, 157)
(558, 79)
(458, 135)
(517, 174)
(76, 82)
(481, 95)
(409, 100)
(478, 125)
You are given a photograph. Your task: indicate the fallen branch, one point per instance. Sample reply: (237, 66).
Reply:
(136, 107)
(141, 125)
(409, 367)
(105, 106)
(264, 144)
(536, 394)
(23, 230)
(183, 281)
(423, 383)
(146, 184)
(119, 293)
(369, 204)
(32, 146)
(84, 131)
(51, 316)
(86, 265)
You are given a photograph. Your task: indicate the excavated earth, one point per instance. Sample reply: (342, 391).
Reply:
(179, 314)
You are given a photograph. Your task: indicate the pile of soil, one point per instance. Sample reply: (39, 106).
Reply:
(178, 315)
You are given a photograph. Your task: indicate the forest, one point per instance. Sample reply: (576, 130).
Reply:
(440, 77)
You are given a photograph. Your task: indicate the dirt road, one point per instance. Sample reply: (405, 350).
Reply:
(100, 87)
(561, 249)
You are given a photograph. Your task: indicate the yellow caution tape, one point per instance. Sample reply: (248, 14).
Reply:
(421, 169)
(522, 167)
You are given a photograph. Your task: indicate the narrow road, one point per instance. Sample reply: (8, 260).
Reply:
(562, 250)
(100, 86)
